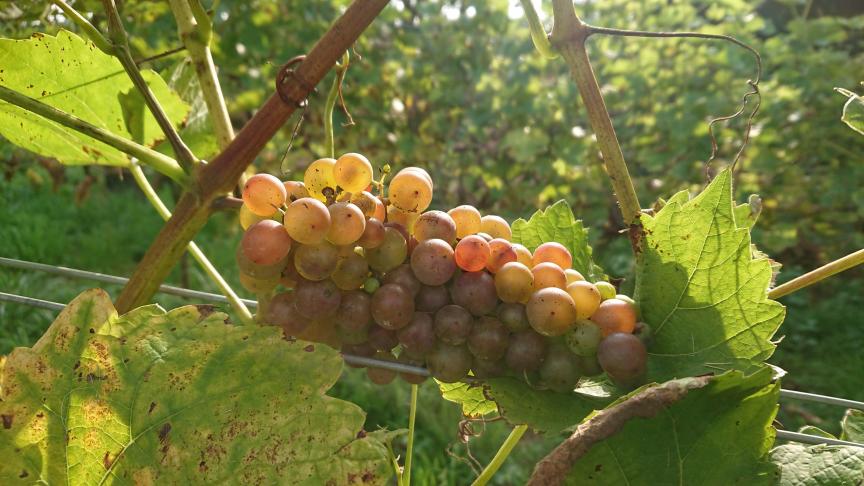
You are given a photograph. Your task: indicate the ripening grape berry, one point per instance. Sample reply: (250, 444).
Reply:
(405, 219)
(266, 243)
(289, 278)
(405, 278)
(467, 220)
(486, 236)
(364, 350)
(420, 171)
(263, 194)
(472, 253)
(623, 357)
(432, 262)
(318, 300)
(281, 311)
(551, 311)
(418, 337)
(248, 218)
(484, 369)
(513, 316)
(629, 300)
(553, 252)
(514, 282)
(586, 297)
(347, 223)
(488, 339)
(380, 210)
(431, 298)
(258, 285)
(435, 224)
(500, 253)
(373, 234)
(412, 378)
(496, 227)
(318, 177)
(295, 190)
(452, 324)
(350, 272)
(526, 351)
(307, 220)
(366, 201)
(381, 376)
(615, 315)
(392, 307)
(475, 291)
(316, 262)
(355, 312)
(607, 290)
(573, 276)
(449, 363)
(382, 339)
(547, 275)
(560, 370)
(252, 269)
(584, 338)
(410, 191)
(352, 172)
(523, 255)
(389, 254)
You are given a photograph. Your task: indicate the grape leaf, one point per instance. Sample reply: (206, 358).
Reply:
(470, 397)
(177, 398)
(557, 223)
(718, 433)
(853, 113)
(72, 75)
(853, 426)
(197, 131)
(801, 465)
(701, 290)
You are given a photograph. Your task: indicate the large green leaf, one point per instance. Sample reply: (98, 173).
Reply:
(74, 76)
(819, 465)
(718, 433)
(177, 398)
(701, 290)
(557, 223)
(197, 131)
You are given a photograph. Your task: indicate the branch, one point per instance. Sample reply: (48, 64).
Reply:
(821, 273)
(568, 36)
(160, 162)
(195, 31)
(553, 469)
(120, 40)
(220, 175)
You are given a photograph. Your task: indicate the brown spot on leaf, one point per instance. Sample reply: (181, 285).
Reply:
(202, 467)
(7, 421)
(368, 477)
(361, 434)
(163, 432)
(107, 460)
(23, 474)
(205, 309)
(152, 406)
(309, 348)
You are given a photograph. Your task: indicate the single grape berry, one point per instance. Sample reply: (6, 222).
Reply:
(350, 272)
(418, 337)
(435, 224)
(526, 351)
(489, 339)
(623, 357)
(316, 262)
(496, 227)
(467, 220)
(318, 300)
(352, 172)
(392, 306)
(263, 194)
(472, 253)
(586, 297)
(282, 312)
(500, 253)
(252, 269)
(307, 220)
(432, 262)
(560, 370)
(410, 191)
(475, 291)
(347, 223)
(266, 243)
(431, 298)
(584, 338)
(523, 255)
(367, 202)
(553, 252)
(514, 282)
(615, 315)
(389, 254)
(248, 218)
(319, 178)
(295, 190)
(547, 274)
(355, 311)
(381, 376)
(573, 276)
(449, 363)
(607, 290)
(452, 324)
(404, 277)
(513, 316)
(373, 234)
(551, 311)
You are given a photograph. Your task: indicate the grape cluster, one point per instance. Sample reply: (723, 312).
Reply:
(388, 279)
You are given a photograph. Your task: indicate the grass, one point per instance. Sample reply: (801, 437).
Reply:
(110, 230)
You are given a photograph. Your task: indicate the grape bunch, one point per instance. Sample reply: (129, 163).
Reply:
(386, 278)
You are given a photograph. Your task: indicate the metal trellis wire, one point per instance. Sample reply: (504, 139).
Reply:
(364, 361)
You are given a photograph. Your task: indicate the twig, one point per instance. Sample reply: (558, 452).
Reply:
(821, 273)
(160, 162)
(538, 33)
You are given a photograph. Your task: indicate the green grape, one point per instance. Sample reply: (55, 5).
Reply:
(501, 252)
(373, 234)
(418, 337)
(573, 276)
(472, 253)
(307, 220)
(551, 311)
(496, 227)
(615, 315)
(248, 218)
(316, 262)
(371, 285)
(392, 306)
(263, 194)
(584, 338)
(431, 298)
(514, 282)
(282, 311)
(382, 339)
(489, 339)
(453, 324)
(346, 223)
(296, 190)
(432, 262)
(381, 376)
(553, 252)
(548, 275)
(404, 277)
(266, 243)
(318, 300)
(350, 272)
(623, 357)
(526, 351)
(513, 316)
(586, 297)
(467, 220)
(319, 177)
(475, 291)
(251, 269)
(560, 370)
(435, 224)
(485, 369)
(449, 363)
(407, 359)
(523, 255)
(352, 172)
(258, 285)
(607, 290)
(368, 203)
(389, 254)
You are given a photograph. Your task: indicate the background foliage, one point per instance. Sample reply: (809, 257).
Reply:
(500, 127)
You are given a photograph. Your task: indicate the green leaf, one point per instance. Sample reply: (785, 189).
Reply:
(197, 131)
(813, 430)
(718, 433)
(139, 121)
(853, 113)
(177, 398)
(557, 223)
(74, 76)
(853, 426)
(474, 403)
(747, 213)
(818, 465)
(701, 290)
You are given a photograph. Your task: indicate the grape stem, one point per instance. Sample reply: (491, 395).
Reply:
(500, 456)
(330, 104)
(409, 453)
(821, 273)
(199, 256)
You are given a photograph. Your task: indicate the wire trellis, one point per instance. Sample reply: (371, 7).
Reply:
(362, 360)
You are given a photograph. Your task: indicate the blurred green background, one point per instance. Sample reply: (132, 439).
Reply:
(457, 88)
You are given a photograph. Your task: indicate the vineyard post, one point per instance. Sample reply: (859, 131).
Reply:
(219, 176)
